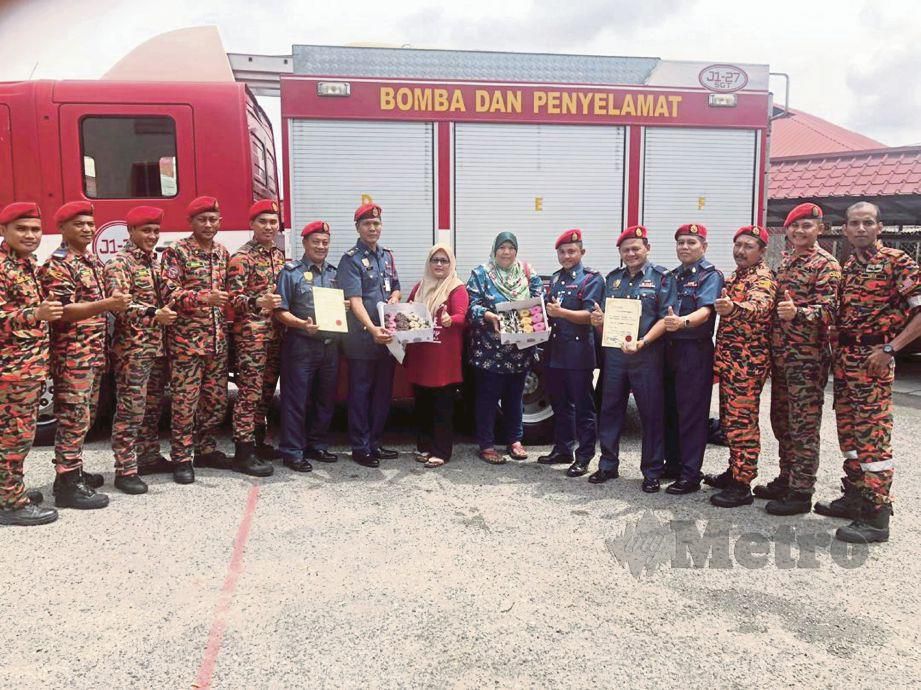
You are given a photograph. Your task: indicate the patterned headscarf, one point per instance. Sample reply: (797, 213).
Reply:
(512, 281)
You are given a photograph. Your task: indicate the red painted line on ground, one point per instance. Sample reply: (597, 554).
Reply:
(234, 569)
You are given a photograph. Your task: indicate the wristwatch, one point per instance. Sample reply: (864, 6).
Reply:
(889, 350)
(687, 323)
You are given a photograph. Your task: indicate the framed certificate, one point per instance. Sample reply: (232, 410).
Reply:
(329, 304)
(621, 321)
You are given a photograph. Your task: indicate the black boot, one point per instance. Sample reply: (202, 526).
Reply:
(130, 484)
(847, 506)
(157, 465)
(774, 490)
(30, 514)
(735, 495)
(216, 459)
(71, 491)
(35, 496)
(183, 472)
(791, 503)
(93, 480)
(872, 525)
(264, 450)
(245, 461)
(718, 481)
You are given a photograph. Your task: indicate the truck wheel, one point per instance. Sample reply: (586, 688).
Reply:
(537, 417)
(46, 425)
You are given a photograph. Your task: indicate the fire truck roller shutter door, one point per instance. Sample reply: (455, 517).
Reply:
(702, 176)
(332, 163)
(536, 180)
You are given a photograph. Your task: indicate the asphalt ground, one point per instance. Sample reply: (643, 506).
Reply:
(465, 576)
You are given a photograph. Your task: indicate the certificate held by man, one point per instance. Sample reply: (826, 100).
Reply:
(329, 305)
(621, 321)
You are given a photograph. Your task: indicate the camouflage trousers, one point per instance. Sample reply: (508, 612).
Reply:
(18, 411)
(257, 367)
(863, 407)
(797, 396)
(198, 390)
(740, 395)
(76, 393)
(139, 384)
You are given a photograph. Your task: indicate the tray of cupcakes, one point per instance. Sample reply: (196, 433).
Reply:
(523, 322)
(408, 322)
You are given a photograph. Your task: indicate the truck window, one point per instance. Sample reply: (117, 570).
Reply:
(129, 157)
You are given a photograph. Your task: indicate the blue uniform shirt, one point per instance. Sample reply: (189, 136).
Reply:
(371, 275)
(295, 284)
(572, 345)
(654, 285)
(698, 285)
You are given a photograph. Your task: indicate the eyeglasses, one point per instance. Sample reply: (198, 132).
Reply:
(439, 260)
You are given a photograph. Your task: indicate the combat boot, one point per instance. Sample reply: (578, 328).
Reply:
(791, 503)
(130, 484)
(246, 462)
(30, 514)
(264, 450)
(71, 491)
(872, 525)
(773, 490)
(735, 495)
(215, 459)
(847, 506)
(719, 481)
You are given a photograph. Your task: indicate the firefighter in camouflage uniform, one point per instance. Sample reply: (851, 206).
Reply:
(23, 358)
(807, 303)
(880, 313)
(194, 272)
(742, 360)
(251, 277)
(73, 275)
(141, 368)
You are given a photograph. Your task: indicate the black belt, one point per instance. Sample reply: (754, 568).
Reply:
(865, 340)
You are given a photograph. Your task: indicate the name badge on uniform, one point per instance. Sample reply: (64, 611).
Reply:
(692, 283)
(387, 284)
(647, 284)
(194, 264)
(366, 263)
(874, 268)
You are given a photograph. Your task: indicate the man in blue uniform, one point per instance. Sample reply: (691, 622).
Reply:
(570, 355)
(368, 275)
(636, 366)
(309, 359)
(689, 360)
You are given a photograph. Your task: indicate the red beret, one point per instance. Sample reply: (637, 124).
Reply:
(755, 231)
(143, 215)
(315, 226)
(367, 211)
(263, 206)
(695, 229)
(17, 210)
(202, 204)
(72, 210)
(806, 210)
(569, 236)
(633, 232)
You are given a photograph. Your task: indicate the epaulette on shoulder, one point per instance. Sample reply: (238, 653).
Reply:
(352, 252)
(660, 269)
(330, 267)
(586, 269)
(60, 252)
(290, 265)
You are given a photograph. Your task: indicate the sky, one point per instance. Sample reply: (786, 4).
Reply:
(853, 62)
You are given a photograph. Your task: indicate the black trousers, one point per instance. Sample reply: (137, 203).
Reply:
(435, 420)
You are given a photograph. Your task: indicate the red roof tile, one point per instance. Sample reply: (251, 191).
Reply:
(800, 134)
(857, 173)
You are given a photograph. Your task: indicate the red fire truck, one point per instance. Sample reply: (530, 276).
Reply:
(455, 145)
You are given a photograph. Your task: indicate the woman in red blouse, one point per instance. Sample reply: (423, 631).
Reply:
(434, 369)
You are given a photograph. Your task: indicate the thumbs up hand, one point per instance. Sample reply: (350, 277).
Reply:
(672, 321)
(723, 304)
(553, 307)
(786, 309)
(597, 317)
